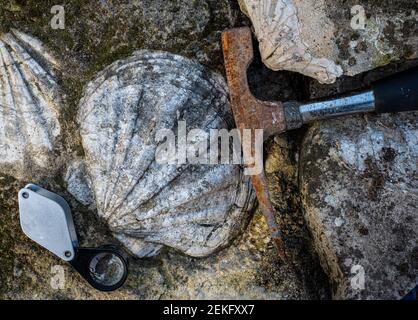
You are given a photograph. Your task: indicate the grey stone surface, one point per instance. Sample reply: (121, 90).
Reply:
(29, 104)
(359, 186)
(97, 33)
(248, 269)
(197, 209)
(321, 39)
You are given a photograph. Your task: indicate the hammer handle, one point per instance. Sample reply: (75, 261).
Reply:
(397, 93)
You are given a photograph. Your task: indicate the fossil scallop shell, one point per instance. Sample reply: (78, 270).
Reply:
(196, 209)
(278, 27)
(29, 103)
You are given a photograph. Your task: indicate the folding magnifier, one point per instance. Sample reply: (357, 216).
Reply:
(46, 218)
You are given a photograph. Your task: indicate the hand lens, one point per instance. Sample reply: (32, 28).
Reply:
(46, 218)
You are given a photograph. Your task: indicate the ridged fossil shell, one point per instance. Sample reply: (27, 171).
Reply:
(29, 103)
(278, 27)
(196, 209)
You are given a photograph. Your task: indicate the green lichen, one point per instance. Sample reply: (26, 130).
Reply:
(8, 226)
(382, 60)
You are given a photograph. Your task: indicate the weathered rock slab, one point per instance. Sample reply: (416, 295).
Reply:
(359, 185)
(248, 269)
(327, 39)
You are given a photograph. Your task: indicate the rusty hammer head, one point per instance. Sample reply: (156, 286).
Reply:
(249, 112)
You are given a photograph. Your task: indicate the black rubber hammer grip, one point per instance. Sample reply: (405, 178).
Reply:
(398, 92)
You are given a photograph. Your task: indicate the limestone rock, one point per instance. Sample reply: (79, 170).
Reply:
(326, 39)
(359, 184)
(30, 103)
(196, 209)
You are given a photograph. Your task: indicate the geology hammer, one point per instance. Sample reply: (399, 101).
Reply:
(394, 94)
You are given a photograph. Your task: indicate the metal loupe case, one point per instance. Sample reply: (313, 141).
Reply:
(46, 218)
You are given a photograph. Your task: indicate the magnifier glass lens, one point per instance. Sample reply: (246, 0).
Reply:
(107, 268)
